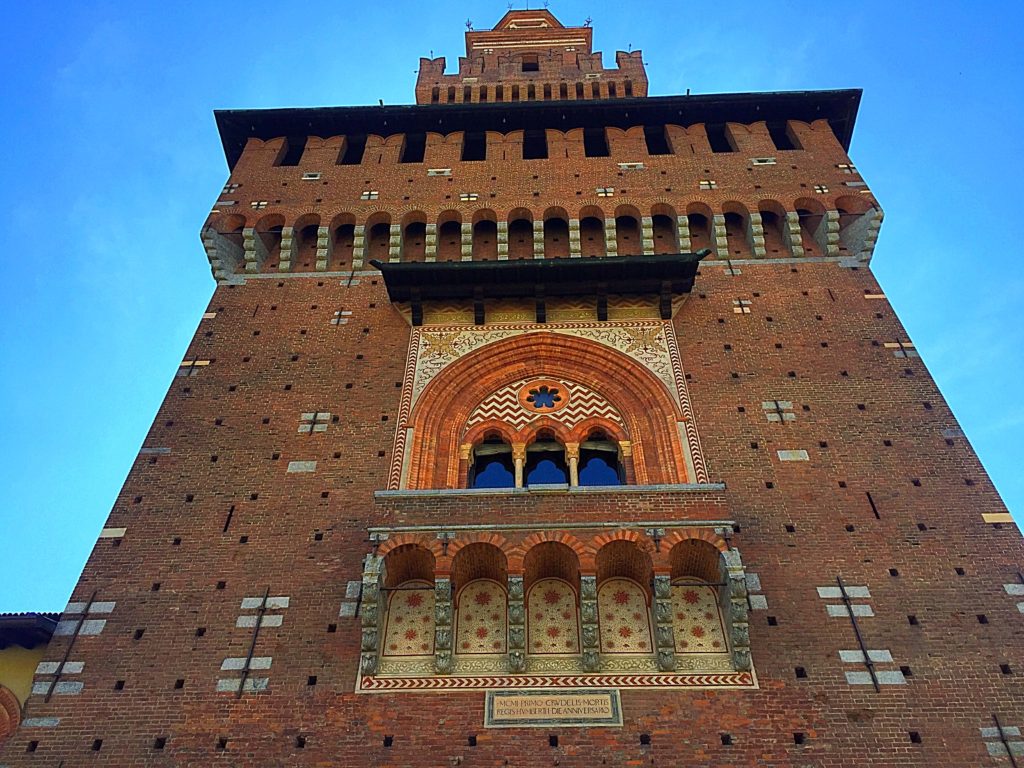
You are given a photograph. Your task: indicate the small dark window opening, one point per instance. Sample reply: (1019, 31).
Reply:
(435, 95)
(612, 90)
(547, 90)
(535, 145)
(599, 461)
(531, 92)
(413, 147)
(531, 63)
(492, 465)
(782, 138)
(515, 93)
(467, 94)
(353, 152)
(628, 87)
(719, 139)
(499, 93)
(657, 140)
(294, 146)
(563, 90)
(545, 461)
(451, 93)
(595, 90)
(595, 142)
(579, 90)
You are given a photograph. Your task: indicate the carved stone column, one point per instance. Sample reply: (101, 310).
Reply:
(519, 459)
(371, 611)
(626, 458)
(442, 625)
(516, 625)
(664, 636)
(739, 629)
(588, 624)
(465, 456)
(572, 455)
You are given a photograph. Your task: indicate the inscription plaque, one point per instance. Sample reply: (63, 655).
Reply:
(542, 709)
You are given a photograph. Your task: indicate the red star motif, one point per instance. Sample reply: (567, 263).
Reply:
(621, 597)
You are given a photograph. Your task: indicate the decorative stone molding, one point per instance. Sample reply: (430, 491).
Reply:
(647, 235)
(755, 235)
(358, 246)
(575, 249)
(719, 238)
(538, 239)
(323, 248)
(467, 241)
(430, 243)
(254, 251)
(683, 232)
(224, 256)
(369, 660)
(516, 625)
(502, 241)
(287, 251)
(590, 638)
(830, 233)
(664, 636)
(395, 243)
(442, 625)
(736, 593)
(791, 234)
(611, 243)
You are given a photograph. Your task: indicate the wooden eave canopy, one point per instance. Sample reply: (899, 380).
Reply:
(26, 629)
(664, 275)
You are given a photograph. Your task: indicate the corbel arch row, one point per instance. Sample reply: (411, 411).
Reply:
(649, 412)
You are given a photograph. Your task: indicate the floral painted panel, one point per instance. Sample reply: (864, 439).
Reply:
(696, 619)
(624, 617)
(410, 620)
(552, 623)
(481, 625)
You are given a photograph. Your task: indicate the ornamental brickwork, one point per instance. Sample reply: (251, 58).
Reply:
(582, 391)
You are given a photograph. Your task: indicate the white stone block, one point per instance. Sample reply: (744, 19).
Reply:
(758, 602)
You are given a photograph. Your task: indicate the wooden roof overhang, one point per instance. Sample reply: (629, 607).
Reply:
(665, 276)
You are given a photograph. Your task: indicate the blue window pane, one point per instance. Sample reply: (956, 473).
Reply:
(546, 471)
(597, 471)
(494, 475)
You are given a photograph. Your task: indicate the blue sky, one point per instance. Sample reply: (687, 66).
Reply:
(112, 161)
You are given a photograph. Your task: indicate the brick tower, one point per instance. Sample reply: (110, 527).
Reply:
(544, 422)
